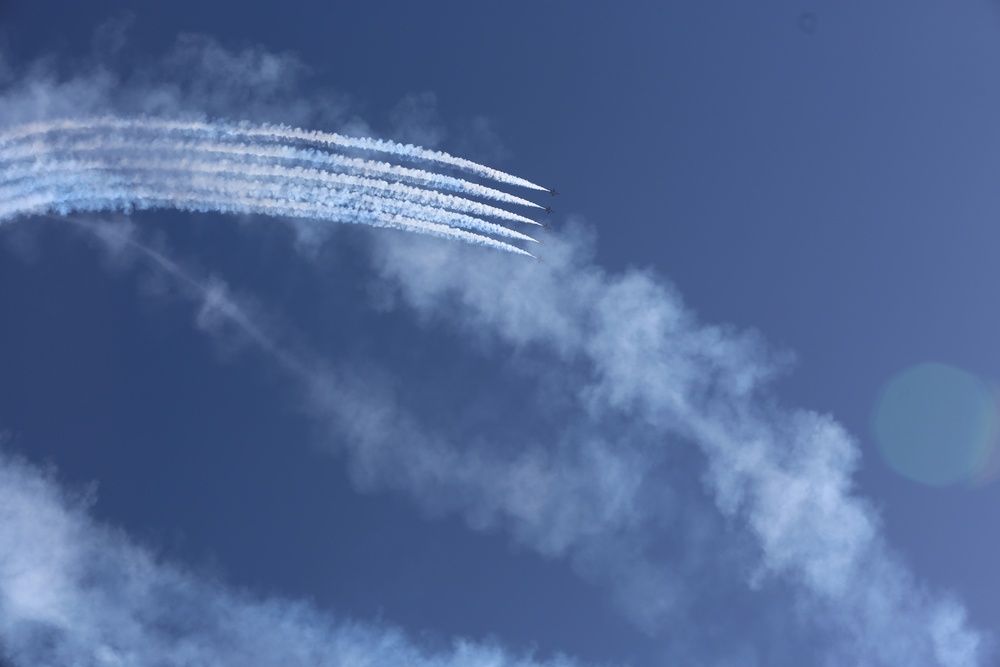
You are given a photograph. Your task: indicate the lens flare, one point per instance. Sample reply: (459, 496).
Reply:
(936, 424)
(990, 468)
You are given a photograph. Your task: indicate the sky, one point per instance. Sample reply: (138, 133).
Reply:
(743, 411)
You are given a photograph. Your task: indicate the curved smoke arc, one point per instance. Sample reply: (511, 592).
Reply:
(124, 164)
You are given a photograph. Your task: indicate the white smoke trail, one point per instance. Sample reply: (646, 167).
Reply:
(293, 184)
(220, 196)
(69, 200)
(371, 185)
(156, 170)
(190, 157)
(76, 592)
(273, 132)
(15, 150)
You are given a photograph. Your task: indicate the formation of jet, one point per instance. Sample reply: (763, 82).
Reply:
(548, 209)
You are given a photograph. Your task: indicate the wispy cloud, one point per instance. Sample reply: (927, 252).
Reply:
(74, 592)
(654, 381)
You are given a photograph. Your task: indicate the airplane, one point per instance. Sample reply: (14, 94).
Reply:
(544, 226)
(553, 192)
(548, 209)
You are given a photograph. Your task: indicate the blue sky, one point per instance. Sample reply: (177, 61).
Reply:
(770, 223)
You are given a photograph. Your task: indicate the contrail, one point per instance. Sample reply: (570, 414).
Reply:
(128, 164)
(276, 133)
(16, 151)
(87, 192)
(294, 184)
(372, 185)
(71, 199)
(205, 292)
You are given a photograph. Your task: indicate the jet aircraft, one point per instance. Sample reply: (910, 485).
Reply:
(548, 209)
(553, 192)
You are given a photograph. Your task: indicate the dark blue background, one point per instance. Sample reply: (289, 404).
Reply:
(836, 190)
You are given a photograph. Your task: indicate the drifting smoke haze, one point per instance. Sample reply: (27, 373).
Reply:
(669, 476)
(77, 593)
(781, 477)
